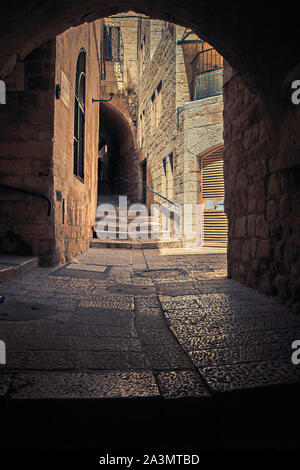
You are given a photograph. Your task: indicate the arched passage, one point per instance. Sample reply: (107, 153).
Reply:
(118, 152)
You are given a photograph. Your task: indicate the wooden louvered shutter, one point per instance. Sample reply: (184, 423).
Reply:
(212, 195)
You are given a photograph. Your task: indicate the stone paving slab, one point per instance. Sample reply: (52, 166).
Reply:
(79, 273)
(106, 257)
(241, 354)
(87, 267)
(21, 343)
(168, 356)
(76, 360)
(107, 301)
(152, 336)
(104, 317)
(194, 343)
(17, 311)
(133, 289)
(66, 329)
(80, 385)
(211, 326)
(251, 375)
(181, 384)
(167, 325)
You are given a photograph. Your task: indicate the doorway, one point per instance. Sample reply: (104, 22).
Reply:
(212, 196)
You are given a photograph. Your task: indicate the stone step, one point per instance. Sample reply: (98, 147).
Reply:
(13, 266)
(136, 244)
(145, 227)
(143, 220)
(145, 236)
(113, 198)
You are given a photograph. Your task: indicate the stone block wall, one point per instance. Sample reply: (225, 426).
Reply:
(26, 149)
(75, 201)
(160, 66)
(186, 128)
(118, 117)
(262, 176)
(200, 127)
(36, 149)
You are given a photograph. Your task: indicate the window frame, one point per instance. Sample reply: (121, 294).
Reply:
(79, 117)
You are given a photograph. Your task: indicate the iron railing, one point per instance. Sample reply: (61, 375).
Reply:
(148, 189)
(206, 60)
(112, 49)
(207, 67)
(208, 84)
(30, 193)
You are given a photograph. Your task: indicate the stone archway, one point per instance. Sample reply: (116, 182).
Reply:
(227, 28)
(261, 125)
(119, 132)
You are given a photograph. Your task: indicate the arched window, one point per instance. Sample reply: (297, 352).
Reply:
(79, 116)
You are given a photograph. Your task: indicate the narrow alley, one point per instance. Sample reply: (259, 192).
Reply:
(149, 231)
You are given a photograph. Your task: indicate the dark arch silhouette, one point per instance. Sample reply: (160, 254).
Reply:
(119, 132)
(247, 36)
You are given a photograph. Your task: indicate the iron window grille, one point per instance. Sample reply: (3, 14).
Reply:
(112, 42)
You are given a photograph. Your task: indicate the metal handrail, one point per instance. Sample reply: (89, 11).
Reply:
(207, 84)
(148, 189)
(30, 193)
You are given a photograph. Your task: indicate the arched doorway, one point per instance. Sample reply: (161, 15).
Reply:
(118, 156)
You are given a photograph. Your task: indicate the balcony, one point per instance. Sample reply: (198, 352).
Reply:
(207, 67)
(208, 84)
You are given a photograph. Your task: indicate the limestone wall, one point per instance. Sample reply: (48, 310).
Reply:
(262, 193)
(74, 200)
(159, 67)
(26, 149)
(118, 119)
(186, 128)
(200, 127)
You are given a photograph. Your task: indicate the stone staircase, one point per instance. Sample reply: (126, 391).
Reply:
(120, 229)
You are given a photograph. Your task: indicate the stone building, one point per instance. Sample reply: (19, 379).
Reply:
(49, 148)
(118, 147)
(180, 121)
(153, 129)
(167, 86)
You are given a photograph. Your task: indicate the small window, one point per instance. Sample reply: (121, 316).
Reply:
(156, 106)
(165, 165)
(143, 52)
(112, 43)
(79, 117)
(153, 111)
(141, 129)
(171, 163)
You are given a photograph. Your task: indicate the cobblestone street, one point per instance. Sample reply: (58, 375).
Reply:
(139, 324)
